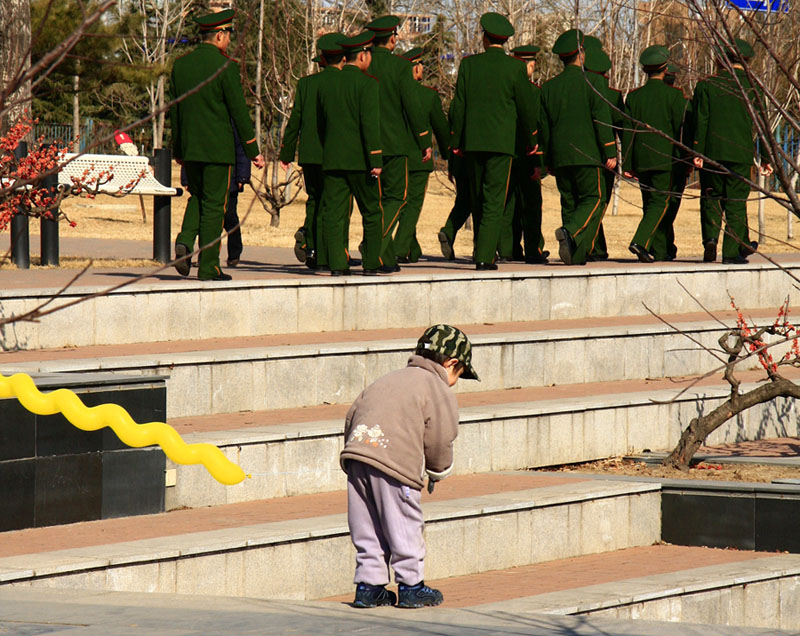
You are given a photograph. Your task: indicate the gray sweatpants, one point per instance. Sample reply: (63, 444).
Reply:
(385, 519)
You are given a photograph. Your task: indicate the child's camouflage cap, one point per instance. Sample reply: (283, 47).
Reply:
(450, 342)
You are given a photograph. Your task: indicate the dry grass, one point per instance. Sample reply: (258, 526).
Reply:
(107, 217)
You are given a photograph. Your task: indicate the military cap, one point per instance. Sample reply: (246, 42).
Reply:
(568, 43)
(450, 342)
(672, 69)
(413, 55)
(654, 57)
(216, 21)
(496, 25)
(590, 41)
(526, 51)
(360, 42)
(316, 59)
(744, 48)
(596, 60)
(384, 25)
(331, 43)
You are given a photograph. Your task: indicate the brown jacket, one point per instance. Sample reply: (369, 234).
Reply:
(404, 424)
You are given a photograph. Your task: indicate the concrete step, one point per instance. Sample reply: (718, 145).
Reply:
(295, 451)
(292, 303)
(228, 375)
(300, 547)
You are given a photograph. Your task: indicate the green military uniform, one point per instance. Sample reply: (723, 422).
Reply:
(723, 132)
(598, 63)
(302, 124)
(650, 156)
(576, 139)
(457, 167)
(681, 165)
(492, 93)
(404, 129)
(406, 246)
(523, 214)
(202, 137)
(350, 132)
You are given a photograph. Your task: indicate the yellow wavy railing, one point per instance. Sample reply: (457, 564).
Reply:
(22, 386)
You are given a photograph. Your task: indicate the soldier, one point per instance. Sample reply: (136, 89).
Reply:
(203, 115)
(598, 64)
(406, 246)
(349, 128)
(723, 132)
(578, 144)
(492, 93)
(404, 128)
(524, 209)
(458, 175)
(649, 156)
(303, 123)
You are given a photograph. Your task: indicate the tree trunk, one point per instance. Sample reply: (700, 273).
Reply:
(259, 65)
(701, 427)
(15, 59)
(76, 110)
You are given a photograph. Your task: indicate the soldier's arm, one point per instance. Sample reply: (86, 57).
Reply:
(601, 117)
(544, 132)
(292, 130)
(700, 107)
(627, 143)
(414, 109)
(237, 109)
(458, 111)
(441, 129)
(370, 124)
(174, 119)
(527, 111)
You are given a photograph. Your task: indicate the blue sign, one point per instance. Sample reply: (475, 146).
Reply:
(773, 6)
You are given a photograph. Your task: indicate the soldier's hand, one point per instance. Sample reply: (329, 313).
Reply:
(286, 165)
(537, 174)
(532, 151)
(611, 163)
(259, 162)
(427, 154)
(179, 161)
(376, 172)
(766, 169)
(629, 175)
(458, 152)
(698, 163)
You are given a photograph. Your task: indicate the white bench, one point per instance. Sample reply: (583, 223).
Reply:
(122, 170)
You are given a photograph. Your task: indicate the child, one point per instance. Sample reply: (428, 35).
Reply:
(400, 428)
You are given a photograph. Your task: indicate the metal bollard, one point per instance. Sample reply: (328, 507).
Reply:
(49, 227)
(162, 207)
(20, 227)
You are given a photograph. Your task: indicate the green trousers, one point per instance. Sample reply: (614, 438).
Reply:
(489, 178)
(461, 206)
(394, 190)
(338, 189)
(405, 239)
(312, 179)
(524, 208)
(583, 203)
(205, 212)
(600, 248)
(726, 196)
(680, 171)
(656, 189)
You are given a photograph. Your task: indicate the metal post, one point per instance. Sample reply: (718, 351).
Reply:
(49, 227)
(162, 207)
(20, 232)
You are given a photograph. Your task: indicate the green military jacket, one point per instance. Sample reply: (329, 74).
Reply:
(723, 127)
(616, 103)
(404, 126)
(347, 120)
(201, 122)
(662, 107)
(432, 105)
(523, 141)
(303, 122)
(575, 121)
(492, 93)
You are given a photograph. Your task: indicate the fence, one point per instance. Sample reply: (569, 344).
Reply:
(91, 134)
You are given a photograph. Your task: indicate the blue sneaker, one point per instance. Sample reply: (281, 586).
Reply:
(373, 596)
(419, 595)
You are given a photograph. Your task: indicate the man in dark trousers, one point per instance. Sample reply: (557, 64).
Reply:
(649, 156)
(492, 93)
(404, 128)
(578, 145)
(723, 132)
(209, 86)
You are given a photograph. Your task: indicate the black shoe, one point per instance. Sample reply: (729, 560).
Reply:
(485, 267)
(370, 272)
(748, 248)
(403, 259)
(566, 245)
(185, 266)
(419, 595)
(709, 251)
(735, 260)
(340, 272)
(597, 257)
(447, 246)
(373, 596)
(502, 259)
(536, 259)
(389, 269)
(311, 263)
(232, 262)
(300, 251)
(220, 276)
(354, 262)
(641, 253)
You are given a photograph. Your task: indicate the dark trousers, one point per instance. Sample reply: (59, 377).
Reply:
(461, 206)
(394, 190)
(312, 180)
(680, 171)
(656, 189)
(209, 185)
(524, 207)
(599, 248)
(583, 203)
(405, 239)
(725, 196)
(490, 178)
(232, 221)
(339, 187)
